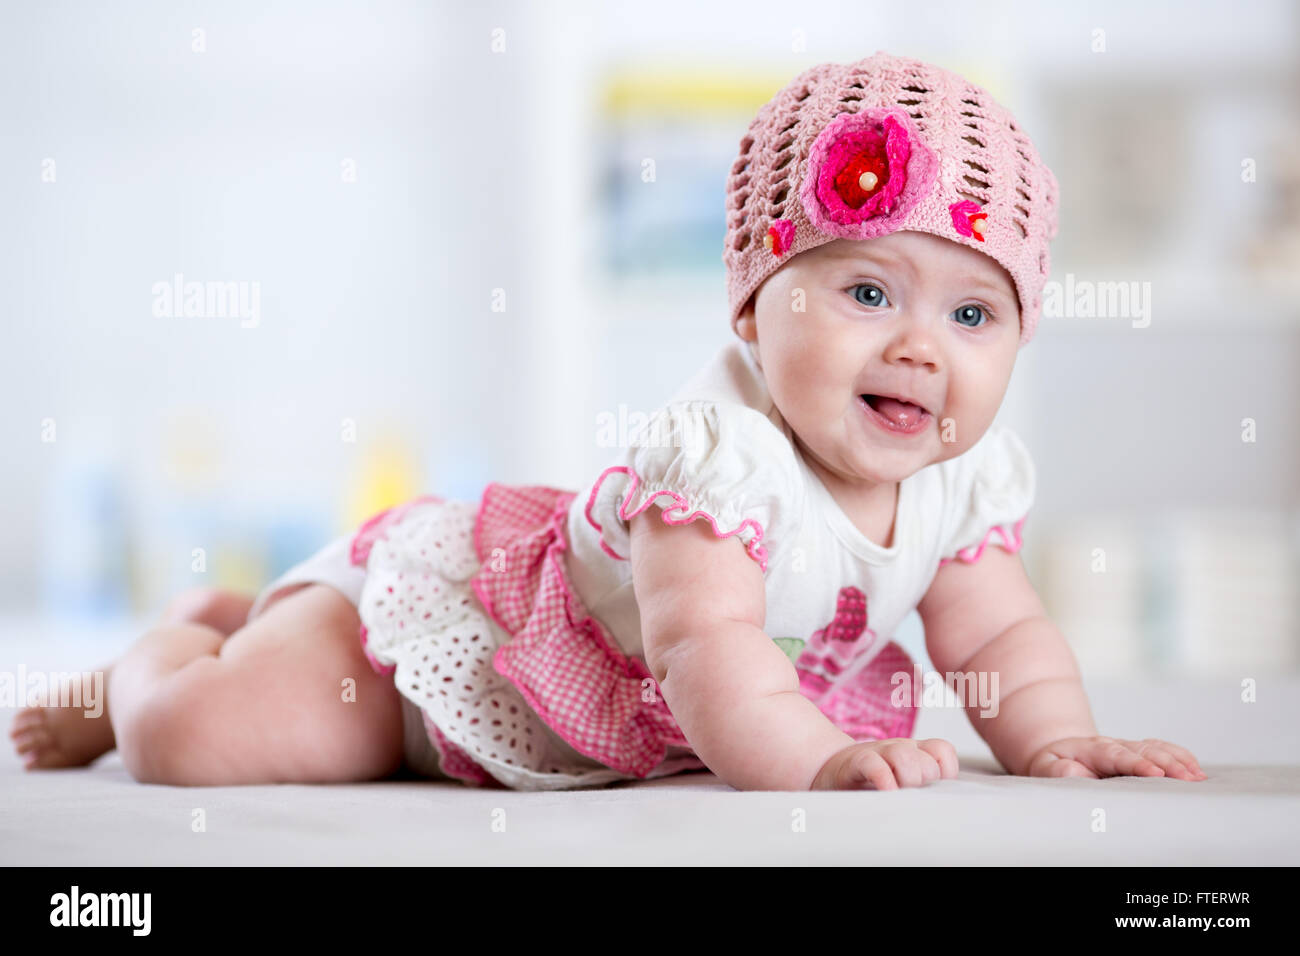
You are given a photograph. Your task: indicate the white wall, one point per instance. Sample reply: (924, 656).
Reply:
(476, 171)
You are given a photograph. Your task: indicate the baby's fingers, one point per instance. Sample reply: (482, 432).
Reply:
(913, 767)
(1183, 754)
(1048, 764)
(944, 755)
(1118, 759)
(1187, 758)
(1166, 756)
(869, 768)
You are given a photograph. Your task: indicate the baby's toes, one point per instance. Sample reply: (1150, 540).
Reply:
(34, 746)
(25, 720)
(59, 737)
(30, 724)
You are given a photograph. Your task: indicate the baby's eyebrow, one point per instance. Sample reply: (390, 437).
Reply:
(985, 283)
(970, 279)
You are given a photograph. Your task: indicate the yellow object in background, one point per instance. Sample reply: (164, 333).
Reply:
(387, 474)
(240, 567)
(195, 455)
(679, 91)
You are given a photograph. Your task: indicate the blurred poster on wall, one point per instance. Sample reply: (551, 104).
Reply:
(667, 138)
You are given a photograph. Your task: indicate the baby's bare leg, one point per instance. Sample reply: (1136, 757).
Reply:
(48, 736)
(227, 611)
(288, 698)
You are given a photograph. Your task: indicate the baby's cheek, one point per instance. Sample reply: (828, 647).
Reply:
(792, 364)
(807, 372)
(819, 387)
(825, 359)
(966, 416)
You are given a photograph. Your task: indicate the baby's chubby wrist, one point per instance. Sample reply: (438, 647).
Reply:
(736, 697)
(754, 741)
(832, 743)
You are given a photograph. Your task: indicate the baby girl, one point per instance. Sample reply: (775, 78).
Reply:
(722, 595)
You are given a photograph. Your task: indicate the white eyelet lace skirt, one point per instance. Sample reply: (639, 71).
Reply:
(423, 623)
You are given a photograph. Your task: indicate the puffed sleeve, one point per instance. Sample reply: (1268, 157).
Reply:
(991, 490)
(720, 462)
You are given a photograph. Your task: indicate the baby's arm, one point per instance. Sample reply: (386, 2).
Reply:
(986, 618)
(731, 689)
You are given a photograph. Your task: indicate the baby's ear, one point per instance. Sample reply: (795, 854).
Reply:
(746, 325)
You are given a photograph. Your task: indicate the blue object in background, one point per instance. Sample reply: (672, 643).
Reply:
(84, 572)
(462, 476)
(290, 541)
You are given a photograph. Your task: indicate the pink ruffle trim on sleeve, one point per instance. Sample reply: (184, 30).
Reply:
(1011, 541)
(754, 548)
(602, 702)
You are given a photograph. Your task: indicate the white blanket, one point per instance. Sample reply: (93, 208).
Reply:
(1247, 812)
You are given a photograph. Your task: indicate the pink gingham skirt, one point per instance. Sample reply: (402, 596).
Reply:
(469, 607)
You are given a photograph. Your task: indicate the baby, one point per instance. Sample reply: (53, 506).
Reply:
(834, 467)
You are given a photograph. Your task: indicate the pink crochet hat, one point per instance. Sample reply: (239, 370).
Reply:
(858, 150)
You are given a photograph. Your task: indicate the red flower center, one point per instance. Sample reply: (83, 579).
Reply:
(847, 180)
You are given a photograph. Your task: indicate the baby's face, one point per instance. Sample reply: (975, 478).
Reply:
(907, 314)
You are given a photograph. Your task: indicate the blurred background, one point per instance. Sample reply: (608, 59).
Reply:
(444, 242)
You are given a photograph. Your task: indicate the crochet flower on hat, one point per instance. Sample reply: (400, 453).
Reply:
(779, 236)
(968, 218)
(866, 171)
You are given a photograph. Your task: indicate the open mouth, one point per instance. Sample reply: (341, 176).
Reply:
(895, 414)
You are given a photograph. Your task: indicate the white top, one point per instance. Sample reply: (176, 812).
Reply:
(720, 450)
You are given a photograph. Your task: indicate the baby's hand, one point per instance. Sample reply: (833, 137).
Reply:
(1108, 757)
(888, 765)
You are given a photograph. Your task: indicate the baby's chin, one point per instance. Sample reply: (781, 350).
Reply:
(873, 466)
(883, 473)
(896, 461)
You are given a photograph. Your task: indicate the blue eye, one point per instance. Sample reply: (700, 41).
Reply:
(878, 298)
(974, 312)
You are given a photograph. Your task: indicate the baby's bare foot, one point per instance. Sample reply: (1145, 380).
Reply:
(48, 736)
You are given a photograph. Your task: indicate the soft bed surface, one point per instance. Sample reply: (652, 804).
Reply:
(1247, 812)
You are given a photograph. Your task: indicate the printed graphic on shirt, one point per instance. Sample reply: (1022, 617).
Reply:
(832, 647)
(792, 646)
